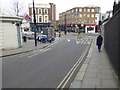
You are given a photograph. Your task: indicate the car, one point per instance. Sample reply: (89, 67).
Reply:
(29, 34)
(44, 39)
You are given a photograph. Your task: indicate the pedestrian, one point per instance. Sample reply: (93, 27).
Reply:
(99, 42)
(59, 34)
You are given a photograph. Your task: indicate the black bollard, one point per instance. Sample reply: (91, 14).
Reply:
(24, 38)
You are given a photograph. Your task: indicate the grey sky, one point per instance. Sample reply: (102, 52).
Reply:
(63, 5)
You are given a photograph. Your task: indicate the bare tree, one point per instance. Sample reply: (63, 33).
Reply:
(18, 7)
(6, 12)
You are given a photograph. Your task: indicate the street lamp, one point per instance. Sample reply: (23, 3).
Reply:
(65, 24)
(34, 23)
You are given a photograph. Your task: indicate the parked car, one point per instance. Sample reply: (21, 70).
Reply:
(44, 39)
(28, 34)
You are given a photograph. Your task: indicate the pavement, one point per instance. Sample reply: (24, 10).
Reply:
(27, 47)
(96, 71)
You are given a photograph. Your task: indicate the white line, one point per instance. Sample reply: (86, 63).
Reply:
(77, 42)
(82, 41)
(25, 54)
(88, 42)
(68, 40)
(32, 55)
(47, 49)
(41, 51)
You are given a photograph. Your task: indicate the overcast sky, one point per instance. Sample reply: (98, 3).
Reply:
(63, 5)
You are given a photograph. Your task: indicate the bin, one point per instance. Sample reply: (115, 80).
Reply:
(24, 38)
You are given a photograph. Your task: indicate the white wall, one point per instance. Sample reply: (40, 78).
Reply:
(1, 35)
(10, 35)
(8, 32)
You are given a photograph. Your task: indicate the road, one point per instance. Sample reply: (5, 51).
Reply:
(45, 68)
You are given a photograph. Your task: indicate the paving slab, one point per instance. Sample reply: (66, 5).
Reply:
(75, 84)
(99, 74)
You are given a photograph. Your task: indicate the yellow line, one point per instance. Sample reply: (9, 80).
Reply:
(66, 76)
(80, 60)
(71, 71)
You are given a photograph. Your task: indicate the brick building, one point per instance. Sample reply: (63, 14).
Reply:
(80, 16)
(44, 12)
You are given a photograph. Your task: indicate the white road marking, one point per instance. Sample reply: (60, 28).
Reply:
(82, 41)
(77, 42)
(88, 42)
(47, 49)
(41, 51)
(24, 54)
(68, 40)
(32, 55)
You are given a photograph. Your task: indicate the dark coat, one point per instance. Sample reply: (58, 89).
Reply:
(99, 40)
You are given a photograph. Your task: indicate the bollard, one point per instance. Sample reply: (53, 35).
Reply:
(24, 38)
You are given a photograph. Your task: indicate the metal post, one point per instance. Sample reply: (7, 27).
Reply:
(34, 23)
(65, 24)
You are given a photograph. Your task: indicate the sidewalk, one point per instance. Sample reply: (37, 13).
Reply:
(27, 46)
(96, 71)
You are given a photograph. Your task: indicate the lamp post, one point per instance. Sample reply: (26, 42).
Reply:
(65, 24)
(34, 23)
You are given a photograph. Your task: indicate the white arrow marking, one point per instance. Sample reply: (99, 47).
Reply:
(68, 40)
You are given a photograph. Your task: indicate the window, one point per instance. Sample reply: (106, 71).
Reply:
(102, 17)
(76, 9)
(88, 15)
(80, 10)
(88, 10)
(46, 19)
(45, 11)
(40, 19)
(84, 9)
(80, 15)
(34, 9)
(40, 11)
(93, 15)
(84, 15)
(93, 10)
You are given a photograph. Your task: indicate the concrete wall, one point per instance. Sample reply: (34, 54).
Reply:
(9, 35)
(8, 32)
(111, 41)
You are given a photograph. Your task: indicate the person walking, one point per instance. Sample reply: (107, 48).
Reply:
(99, 42)
(59, 34)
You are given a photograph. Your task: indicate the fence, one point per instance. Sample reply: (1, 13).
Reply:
(111, 41)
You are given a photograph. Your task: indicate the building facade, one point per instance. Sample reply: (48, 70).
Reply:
(44, 12)
(80, 16)
(10, 32)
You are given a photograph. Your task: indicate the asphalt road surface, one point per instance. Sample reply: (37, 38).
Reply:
(43, 68)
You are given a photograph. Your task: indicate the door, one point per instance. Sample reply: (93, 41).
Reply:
(19, 36)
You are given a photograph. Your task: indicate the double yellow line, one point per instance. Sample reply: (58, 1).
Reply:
(71, 72)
